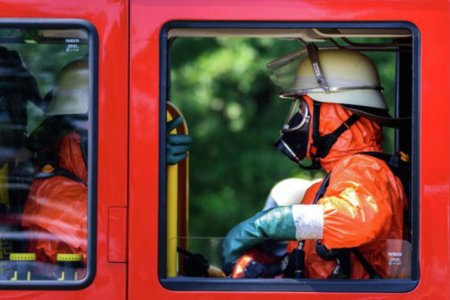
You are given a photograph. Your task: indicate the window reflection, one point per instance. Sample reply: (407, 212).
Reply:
(44, 94)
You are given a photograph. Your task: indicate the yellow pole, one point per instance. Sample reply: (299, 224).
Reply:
(177, 201)
(172, 215)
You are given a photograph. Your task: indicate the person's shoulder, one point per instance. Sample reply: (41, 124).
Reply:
(360, 164)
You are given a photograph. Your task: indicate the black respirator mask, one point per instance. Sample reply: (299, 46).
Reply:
(295, 132)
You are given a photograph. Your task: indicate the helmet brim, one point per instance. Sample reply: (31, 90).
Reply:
(382, 117)
(364, 97)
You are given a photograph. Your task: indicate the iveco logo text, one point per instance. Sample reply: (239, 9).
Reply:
(72, 41)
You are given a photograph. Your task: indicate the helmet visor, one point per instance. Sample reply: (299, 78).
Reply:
(283, 70)
(297, 117)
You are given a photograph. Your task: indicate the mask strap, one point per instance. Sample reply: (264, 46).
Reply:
(315, 134)
(322, 144)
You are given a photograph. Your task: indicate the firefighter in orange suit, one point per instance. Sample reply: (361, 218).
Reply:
(56, 208)
(344, 223)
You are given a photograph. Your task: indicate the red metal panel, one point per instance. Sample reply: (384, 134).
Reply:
(147, 18)
(117, 234)
(110, 18)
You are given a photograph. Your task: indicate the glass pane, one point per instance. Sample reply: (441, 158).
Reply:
(234, 115)
(44, 96)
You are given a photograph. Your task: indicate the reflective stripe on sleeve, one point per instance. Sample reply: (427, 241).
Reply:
(308, 221)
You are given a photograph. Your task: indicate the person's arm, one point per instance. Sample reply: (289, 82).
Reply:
(355, 209)
(280, 223)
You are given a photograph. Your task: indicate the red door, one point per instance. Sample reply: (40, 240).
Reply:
(147, 232)
(48, 35)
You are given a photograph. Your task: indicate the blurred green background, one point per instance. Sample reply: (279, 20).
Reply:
(234, 115)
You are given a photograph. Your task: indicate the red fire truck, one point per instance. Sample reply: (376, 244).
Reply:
(119, 239)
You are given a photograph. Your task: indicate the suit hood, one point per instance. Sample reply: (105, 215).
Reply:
(364, 135)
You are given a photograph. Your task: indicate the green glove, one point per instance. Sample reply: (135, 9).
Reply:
(177, 145)
(276, 223)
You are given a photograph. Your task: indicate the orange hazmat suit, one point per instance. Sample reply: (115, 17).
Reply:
(364, 203)
(56, 208)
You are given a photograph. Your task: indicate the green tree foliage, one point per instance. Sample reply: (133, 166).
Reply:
(234, 115)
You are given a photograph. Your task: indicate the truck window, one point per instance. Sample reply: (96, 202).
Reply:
(46, 153)
(218, 76)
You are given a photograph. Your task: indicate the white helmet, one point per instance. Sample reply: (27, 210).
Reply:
(338, 76)
(330, 75)
(71, 94)
(288, 191)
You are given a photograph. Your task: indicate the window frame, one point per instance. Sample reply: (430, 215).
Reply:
(297, 285)
(92, 163)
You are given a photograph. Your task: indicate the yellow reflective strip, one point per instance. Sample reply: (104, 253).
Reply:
(22, 256)
(68, 257)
